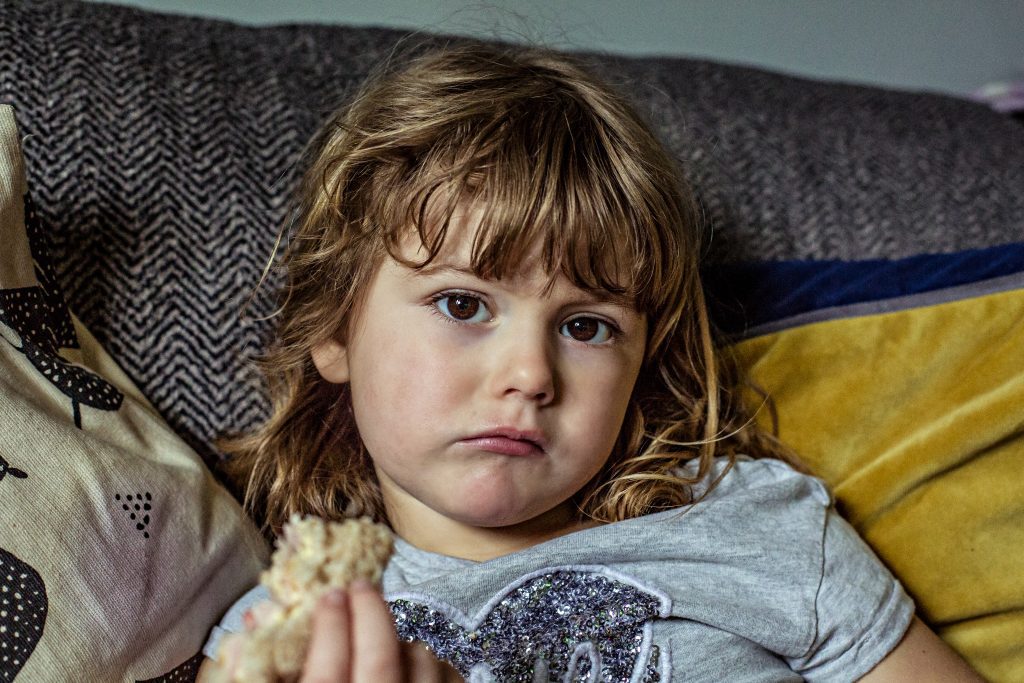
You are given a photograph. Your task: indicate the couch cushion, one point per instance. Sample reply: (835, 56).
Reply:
(910, 408)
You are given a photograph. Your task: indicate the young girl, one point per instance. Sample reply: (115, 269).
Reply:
(493, 338)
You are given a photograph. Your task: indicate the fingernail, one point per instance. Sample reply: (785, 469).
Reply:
(335, 597)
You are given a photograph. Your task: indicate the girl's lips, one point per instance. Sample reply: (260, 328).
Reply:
(504, 445)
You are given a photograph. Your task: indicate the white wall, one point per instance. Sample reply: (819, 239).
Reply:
(952, 46)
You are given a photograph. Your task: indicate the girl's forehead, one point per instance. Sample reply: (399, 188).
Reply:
(460, 234)
(469, 247)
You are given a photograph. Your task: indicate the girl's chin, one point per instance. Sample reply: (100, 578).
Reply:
(488, 518)
(513, 519)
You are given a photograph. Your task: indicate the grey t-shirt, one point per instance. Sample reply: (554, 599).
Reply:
(760, 581)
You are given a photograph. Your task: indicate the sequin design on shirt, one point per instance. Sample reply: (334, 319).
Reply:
(561, 624)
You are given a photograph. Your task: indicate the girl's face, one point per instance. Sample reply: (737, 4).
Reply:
(485, 405)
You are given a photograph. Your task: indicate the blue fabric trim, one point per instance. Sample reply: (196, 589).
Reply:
(902, 303)
(743, 296)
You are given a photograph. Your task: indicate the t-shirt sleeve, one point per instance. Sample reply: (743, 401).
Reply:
(861, 609)
(233, 621)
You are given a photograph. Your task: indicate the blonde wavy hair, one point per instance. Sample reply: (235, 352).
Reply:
(558, 160)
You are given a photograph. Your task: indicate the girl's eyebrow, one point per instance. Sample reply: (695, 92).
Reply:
(437, 268)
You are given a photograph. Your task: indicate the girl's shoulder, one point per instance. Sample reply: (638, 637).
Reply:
(749, 481)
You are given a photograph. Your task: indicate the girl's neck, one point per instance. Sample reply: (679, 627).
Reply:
(448, 537)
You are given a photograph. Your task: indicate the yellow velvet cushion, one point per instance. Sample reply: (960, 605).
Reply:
(915, 418)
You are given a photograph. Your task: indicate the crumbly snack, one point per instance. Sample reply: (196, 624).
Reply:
(312, 556)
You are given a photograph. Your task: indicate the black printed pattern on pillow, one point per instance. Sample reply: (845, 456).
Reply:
(5, 469)
(138, 506)
(57, 319)
(23, 608)
(41, 320)
(183, 673)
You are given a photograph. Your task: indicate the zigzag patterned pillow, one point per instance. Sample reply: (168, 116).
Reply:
(118, 550)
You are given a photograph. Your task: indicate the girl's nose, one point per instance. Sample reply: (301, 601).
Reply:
(524, 366)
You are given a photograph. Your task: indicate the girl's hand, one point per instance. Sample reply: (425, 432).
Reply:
(354, 641)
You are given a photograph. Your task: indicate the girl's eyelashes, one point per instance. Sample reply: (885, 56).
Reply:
(461, 307)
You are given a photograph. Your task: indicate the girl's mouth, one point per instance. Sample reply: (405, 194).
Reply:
(508, 442)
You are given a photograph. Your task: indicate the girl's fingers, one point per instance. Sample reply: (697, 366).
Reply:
(423, 667)
(330, 648)
(354, 641)
(449, 674)
(376, 654)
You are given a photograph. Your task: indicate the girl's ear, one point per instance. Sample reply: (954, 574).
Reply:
(331, 361)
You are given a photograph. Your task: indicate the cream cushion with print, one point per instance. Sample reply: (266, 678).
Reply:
(118, 549)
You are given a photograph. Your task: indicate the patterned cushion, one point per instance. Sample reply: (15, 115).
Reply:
(162, 150)
(117, 547)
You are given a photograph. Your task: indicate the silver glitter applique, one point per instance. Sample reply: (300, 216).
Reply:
(559, 625)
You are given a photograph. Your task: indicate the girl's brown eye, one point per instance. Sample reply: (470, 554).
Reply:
(462, 307)
(583, 329)
(588, 330)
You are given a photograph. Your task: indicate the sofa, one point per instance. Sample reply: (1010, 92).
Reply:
(866, 267)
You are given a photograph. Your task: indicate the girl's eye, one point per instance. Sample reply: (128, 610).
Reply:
(464, 308)
(590, 330)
